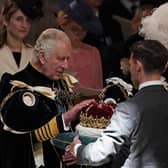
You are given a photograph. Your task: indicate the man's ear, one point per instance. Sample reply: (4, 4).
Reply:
(41, 56)
(139, 66)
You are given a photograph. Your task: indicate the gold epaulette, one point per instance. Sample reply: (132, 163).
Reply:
(70, 80)
(47, 131)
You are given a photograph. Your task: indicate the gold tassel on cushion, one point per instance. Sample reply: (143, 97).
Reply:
(47, 131)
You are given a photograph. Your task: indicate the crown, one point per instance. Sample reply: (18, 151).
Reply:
(97, 115)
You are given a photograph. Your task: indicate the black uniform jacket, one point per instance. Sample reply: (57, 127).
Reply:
(16, 150)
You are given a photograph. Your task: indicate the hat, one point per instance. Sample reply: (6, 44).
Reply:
(82, 14)
(24, 110)
(155, 26)
(31, 8)
(117, 89)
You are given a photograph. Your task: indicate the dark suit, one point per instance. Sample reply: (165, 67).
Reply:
(118, 8)
(143, 121)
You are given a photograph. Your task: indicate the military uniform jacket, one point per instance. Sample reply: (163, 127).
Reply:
(16, 149)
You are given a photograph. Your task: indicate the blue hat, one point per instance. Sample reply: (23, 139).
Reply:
(31, 8)
(82, 14)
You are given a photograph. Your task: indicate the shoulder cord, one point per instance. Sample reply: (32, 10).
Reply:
(33, 151)
(4, 100)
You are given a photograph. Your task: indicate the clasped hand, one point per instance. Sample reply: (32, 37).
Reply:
(69, 156)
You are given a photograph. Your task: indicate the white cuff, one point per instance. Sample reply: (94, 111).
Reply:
(76, 148)
(66, 128)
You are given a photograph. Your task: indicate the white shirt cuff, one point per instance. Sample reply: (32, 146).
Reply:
(66, 128)
(76, 148)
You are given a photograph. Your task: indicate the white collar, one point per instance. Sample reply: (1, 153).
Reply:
(150, 83)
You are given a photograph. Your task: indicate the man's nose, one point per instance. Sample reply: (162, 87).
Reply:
(65, 64)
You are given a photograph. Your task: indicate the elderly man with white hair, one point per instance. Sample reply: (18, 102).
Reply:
(32, 108)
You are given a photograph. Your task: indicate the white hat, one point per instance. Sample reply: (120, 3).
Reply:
(155, 26)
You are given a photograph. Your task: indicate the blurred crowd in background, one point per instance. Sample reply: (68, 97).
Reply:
(119, 20)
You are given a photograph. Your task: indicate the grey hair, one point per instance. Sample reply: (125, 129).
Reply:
(49, 40)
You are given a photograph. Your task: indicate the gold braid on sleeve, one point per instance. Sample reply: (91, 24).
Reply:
(47, 131)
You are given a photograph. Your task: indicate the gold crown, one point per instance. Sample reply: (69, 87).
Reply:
(96, 115)
(90, 121)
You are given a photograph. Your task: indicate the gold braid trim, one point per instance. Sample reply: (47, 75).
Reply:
(70, 80)
(46, 91)
(47, 131)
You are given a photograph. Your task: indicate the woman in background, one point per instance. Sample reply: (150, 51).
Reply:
(17, 16)
(86, 61)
